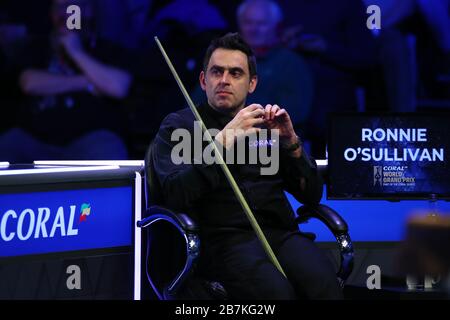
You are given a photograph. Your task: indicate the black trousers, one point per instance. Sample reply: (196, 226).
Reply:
(237, 260)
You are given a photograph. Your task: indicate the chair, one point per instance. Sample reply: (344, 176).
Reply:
(173, 245)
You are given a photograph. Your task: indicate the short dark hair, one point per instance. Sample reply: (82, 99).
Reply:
(232, 41)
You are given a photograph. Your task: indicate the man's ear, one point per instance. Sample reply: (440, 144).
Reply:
(202, 80)
(253, 83)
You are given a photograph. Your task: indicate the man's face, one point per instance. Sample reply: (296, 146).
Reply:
(257, 26)
(227, 80)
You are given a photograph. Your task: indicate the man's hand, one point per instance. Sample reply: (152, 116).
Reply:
(104, 79)
(278, 119)
(246, 122)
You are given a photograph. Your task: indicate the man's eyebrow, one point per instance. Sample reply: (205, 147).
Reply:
(236, 69)
(216, 67)
(232, 69)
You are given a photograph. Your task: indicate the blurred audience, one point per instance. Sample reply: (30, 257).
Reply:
(73, 85)
(397, 57)
(186, 27)
(31, 15)
(187, 13)
(129, 18)
(8, 95)
(403, 27)
(435, 14)
(339, 48)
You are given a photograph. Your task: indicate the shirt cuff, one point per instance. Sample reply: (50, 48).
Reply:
(302, 166)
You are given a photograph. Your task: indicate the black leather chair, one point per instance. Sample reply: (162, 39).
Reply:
(173, 244)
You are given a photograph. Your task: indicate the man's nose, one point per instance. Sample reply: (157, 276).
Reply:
(225, 78)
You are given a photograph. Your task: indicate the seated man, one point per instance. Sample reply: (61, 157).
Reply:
(231, 251)
(73, 87)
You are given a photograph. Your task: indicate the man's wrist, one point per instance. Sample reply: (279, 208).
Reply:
(292, 145)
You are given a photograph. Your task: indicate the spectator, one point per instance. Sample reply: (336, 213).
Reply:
(73, 88)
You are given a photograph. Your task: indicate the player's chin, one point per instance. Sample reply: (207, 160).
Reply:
(224, 104)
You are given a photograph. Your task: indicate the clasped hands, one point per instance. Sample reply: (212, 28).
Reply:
(252, 119)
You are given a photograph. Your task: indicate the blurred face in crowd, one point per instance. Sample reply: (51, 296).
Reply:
(258, 24)
(59, 15)
(227, 80)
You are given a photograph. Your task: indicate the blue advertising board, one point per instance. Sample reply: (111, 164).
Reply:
(65, 220)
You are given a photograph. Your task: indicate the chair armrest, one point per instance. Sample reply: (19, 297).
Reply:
(182, 220)
(328, 216)
(188, 229)
(339, 228)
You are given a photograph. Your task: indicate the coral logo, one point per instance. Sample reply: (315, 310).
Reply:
(36, 224)
(85, 211)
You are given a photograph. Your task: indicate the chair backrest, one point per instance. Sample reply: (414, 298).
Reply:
(153, 190)
(162, 266)
(166, 246)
